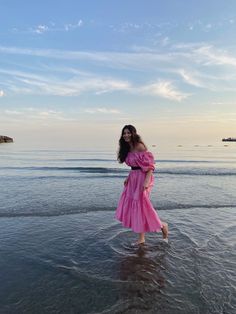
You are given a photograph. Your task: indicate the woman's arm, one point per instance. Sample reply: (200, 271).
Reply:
(147, 179)
(142, 148)
(126, 181)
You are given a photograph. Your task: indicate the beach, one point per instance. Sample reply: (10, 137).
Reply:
(62, 251)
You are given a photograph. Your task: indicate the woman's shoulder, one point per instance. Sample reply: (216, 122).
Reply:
(140, 147)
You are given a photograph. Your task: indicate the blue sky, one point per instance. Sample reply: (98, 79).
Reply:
(78, 71)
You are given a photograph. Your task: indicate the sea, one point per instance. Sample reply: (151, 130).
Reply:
(62, 250)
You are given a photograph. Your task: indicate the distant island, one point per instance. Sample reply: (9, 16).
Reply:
(5, 139)
(229, 139)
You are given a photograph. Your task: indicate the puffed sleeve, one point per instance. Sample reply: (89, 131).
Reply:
(146, 161)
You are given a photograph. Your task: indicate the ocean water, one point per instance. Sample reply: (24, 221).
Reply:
(62, 251)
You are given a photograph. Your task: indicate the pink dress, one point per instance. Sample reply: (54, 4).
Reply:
(135, 209)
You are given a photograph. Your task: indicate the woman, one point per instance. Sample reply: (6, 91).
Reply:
(134, 209)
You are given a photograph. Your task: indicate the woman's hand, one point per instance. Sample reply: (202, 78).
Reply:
(126, 181)
(145, 185)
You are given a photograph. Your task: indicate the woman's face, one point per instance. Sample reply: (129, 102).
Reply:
(127, 135)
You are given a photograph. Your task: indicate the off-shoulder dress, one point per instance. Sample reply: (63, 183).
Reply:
(135, 209)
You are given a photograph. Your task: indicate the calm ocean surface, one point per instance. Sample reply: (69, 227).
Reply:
(62, 251)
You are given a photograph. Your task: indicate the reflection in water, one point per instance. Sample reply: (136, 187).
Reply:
(144, 278)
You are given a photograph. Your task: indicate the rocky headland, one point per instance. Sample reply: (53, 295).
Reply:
(5, 139)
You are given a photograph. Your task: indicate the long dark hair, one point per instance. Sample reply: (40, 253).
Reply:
(124, 147)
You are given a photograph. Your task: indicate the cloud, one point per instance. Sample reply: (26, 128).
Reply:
(70, 26)
(143, 27)
(49, 113)
(36, 114)
(164, 89)
(190, 79)
(112, 59)
(208, 27)
(165, 41)
(202, 53)
(50, 27)
(28, 83)
(12, 112)
(40, 29)
(2, 93)
(102, 110)
(141, 58)
(214, 56)
(199, 65)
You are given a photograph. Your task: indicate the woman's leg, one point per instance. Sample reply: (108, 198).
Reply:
(165, 230)
(141, 238)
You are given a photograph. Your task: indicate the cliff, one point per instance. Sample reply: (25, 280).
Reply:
(5, 139)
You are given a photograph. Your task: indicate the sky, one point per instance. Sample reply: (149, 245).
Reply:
(73, 73)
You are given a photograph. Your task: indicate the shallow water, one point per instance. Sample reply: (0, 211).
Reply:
(84, 263)
(62, 251)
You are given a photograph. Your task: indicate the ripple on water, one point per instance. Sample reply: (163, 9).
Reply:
(133, 276)
(182, 276)
(89, 265)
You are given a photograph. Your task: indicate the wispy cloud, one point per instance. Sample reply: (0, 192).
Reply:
(118, 59)
(72, 26)
(213, 82)
(142, 57)
(50, 27)
(203, 53)
(2, 93)
(142, 27)
(40, 29)
(217, 57)
(28, 83)
(164, 89)
(49, 113)
(32, 114)
(12, 112)
(198, 64)
(190, 79)
(102, 110)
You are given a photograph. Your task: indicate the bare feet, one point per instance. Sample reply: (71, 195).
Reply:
(165, 231)
(137, 244)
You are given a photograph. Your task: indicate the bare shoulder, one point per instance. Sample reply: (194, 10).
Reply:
(140, 147)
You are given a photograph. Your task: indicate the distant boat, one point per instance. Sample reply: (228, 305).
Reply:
(229, 139)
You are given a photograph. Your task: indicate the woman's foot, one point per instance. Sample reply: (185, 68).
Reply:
(137, 244)
(165, 231)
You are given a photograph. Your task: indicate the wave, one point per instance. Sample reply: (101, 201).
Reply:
(194, 161)
(162, 171)
(199, 172)
(82, 210)
(79, 169)
(169, 206)
(87, 159)
(157, 160)
(115, 161)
